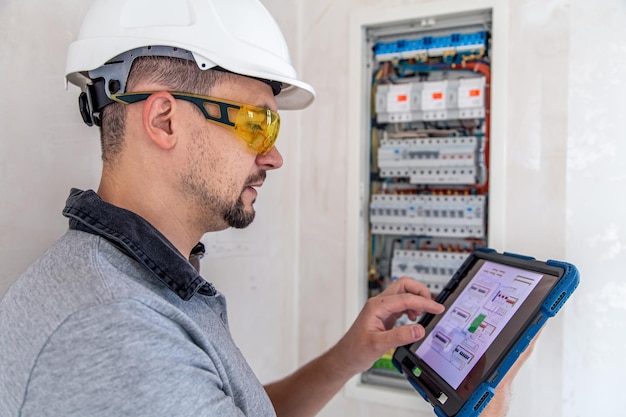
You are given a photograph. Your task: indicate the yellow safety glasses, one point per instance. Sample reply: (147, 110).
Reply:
(257, 126)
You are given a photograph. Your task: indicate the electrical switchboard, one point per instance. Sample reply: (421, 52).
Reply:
(427, 149)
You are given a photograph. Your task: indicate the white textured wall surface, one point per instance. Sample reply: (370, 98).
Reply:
(595, 329)
(284, 276)
(44, 148)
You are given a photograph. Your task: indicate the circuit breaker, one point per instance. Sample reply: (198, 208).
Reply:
(426, 153)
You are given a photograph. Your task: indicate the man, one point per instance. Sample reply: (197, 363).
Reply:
(113, 319)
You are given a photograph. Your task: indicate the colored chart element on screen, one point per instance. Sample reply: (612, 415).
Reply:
(476, 323)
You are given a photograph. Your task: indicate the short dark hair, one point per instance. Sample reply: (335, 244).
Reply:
(176, 73)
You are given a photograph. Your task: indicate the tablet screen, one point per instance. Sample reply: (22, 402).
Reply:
(495, 303)
(474, 320)
(485, 314)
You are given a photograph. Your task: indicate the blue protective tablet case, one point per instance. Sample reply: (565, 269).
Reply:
(557, 297)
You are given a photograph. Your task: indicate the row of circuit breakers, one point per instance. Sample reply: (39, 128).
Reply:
(431, 100)
(422, 142)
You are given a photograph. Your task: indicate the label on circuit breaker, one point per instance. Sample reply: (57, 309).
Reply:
(471, 92)
(434, 95)
(399, 98)
(471, 98)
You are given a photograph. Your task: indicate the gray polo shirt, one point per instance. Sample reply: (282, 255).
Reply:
(113, 321)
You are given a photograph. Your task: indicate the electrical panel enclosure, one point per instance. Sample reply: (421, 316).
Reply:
(420, 178)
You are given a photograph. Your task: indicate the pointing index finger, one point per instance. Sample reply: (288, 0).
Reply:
(388, 305)
(408, 285)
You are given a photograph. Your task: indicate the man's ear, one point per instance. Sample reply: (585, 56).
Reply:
(158, 112)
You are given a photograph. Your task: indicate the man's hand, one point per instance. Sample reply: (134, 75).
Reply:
(307, 390)
(499, 404)
(373, 332)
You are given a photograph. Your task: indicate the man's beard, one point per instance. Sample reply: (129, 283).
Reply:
(210, 204)
(237, 217)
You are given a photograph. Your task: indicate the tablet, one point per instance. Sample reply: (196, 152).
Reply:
(495, 304)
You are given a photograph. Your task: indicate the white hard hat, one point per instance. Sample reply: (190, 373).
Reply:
(239, 36)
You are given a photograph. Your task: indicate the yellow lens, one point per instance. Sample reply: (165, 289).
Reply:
(258, 127)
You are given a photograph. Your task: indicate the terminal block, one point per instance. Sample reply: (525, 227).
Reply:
(458, 44)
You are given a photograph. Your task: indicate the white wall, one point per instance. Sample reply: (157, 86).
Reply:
(595, 329)
(284, 276)
(44, 148)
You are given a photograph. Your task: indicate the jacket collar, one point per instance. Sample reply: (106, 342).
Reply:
(136, 237)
